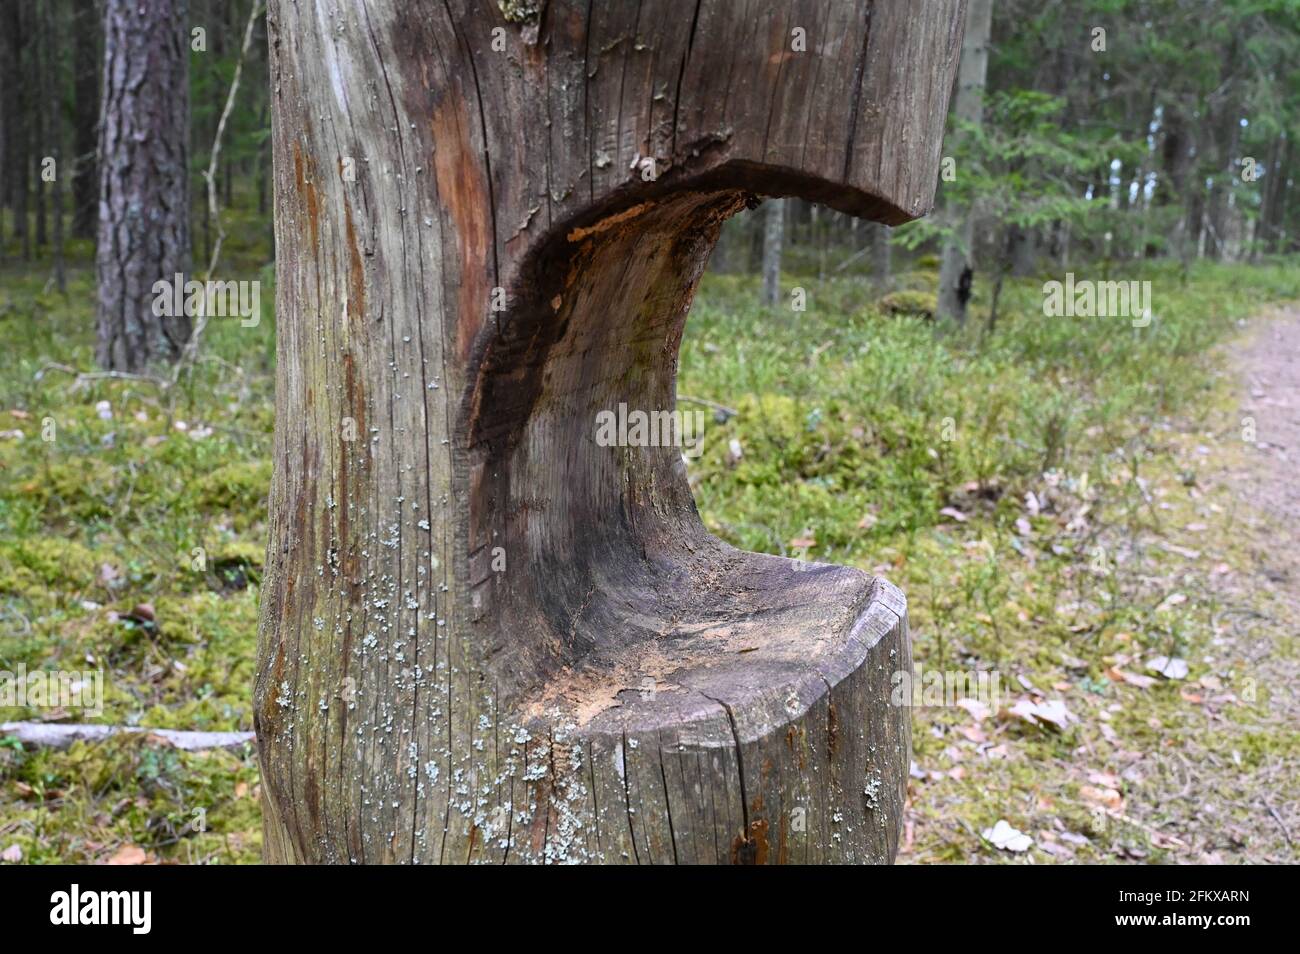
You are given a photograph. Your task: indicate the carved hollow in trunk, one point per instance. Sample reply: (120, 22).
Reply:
(664, 655)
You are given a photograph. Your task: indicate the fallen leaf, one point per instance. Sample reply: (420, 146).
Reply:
(1003, 836)
(978, 710)
(1059, 851)
(1131, 678)
(1105, 780)
(1106, 797)
(1053, 713)
(1173, 599)
(128, 855)
(954, 513)
(1169, 667)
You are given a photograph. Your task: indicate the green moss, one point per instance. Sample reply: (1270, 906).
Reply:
(918, 303)
(52, 560)
(238, 486)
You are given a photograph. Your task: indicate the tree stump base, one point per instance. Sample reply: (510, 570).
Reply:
(748, 721)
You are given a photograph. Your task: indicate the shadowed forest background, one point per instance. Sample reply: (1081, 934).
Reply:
(1061, 498)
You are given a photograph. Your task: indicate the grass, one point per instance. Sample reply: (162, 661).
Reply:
(875, 440)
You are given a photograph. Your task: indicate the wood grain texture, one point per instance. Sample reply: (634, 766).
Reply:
(485, 637)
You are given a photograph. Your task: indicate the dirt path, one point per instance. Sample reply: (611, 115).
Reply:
(1268, 366)
(1230, 791)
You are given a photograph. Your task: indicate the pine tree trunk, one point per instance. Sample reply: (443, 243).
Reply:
(144, 213)
(489, 633)
(86, 70)
(882, 257)
(52, 50)
(41, 117)
(773, 236)
(955, 267)
(17, 132)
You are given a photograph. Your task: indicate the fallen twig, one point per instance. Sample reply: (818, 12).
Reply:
(82, 377)
(729, 411)
(49, 735)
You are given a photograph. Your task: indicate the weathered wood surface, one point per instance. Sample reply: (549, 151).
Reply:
(485, 637)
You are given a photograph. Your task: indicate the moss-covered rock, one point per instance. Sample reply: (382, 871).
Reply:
(910, 303)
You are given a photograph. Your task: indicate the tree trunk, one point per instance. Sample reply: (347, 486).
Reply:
(17, 134)
(955, 271)
(882, 257)
(144, 212)
(490, 633)
(1172, 183)
(52, 49)
(773, 235)
(86, 67)
(45, 109)
(1273, 199)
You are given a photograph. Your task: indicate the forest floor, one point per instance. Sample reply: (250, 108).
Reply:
(1204, 767)
(1063, 502)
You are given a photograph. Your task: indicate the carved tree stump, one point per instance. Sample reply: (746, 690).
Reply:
(484, 636)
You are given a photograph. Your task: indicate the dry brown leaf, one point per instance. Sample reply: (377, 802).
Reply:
(1108, 798)
(1131, 678)
(129, 855)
